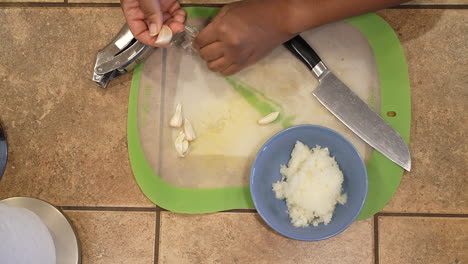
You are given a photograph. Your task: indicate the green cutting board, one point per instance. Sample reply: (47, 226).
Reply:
(184, 195)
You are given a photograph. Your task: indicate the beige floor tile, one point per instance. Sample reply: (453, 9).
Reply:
(438, 2)
(67, 137)
(434, 42)
(32, 1)
(244, 238)
(423, 240)
(115, 237)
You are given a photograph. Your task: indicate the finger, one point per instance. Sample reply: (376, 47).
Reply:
(210, 34)
(166, 16)
(145, 38)
(212, 52)
(234, 68)
(176, 27)
(152, 11)
(134, 16)
(129, 4)
(219, 65)
(154, 24)
(222, 12)
(179, 18)
(179, 14)
(140, 30)
(170, 6)
(176, 21)
(175, 6)
(206, 37)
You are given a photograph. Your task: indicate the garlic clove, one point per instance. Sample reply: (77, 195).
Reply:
(181, 144)
(188, 130)
(176, 120)
(164, 36)
(268, 118)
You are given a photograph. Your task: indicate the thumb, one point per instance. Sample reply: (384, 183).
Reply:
(153, 15)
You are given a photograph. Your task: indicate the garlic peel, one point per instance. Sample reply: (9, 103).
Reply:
(188, 130)
(164, 36)
(176, 120)
(181, 144)
(268, 118)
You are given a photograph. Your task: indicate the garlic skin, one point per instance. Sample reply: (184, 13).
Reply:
(188, 130)
(181, 144)
(268, 118)
(164, 36)
(176, 120)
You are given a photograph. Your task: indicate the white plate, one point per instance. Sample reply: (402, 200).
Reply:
(66, 243)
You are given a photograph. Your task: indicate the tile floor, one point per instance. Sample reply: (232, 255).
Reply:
(46, 60)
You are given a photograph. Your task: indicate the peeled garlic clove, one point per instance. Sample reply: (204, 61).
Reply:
(181, 144)
(268, 118)
(188, 130)
(176, 120)
(164, 36)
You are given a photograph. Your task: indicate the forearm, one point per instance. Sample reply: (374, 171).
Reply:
(301, 15)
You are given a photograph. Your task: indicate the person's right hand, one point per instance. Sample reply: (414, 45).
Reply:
(146, 17)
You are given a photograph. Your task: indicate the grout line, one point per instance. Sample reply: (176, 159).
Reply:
(423, 215)
(156, 237)
(240, 211)
(109, 209)
(456, 6)
(203, 5)
(159, 209)
(138, 209)
(376, 239)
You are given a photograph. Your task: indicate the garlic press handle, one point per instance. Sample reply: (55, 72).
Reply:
(120, 56)
(120, 41)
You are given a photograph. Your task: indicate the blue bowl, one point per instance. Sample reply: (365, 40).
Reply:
(3, 151)
(266, 171)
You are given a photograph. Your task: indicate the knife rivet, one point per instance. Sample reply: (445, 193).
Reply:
(391, 113)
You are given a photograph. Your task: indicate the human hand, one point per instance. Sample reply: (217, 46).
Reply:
(241, 34)
(146, 17)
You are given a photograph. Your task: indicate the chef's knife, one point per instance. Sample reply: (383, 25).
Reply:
(349, 108)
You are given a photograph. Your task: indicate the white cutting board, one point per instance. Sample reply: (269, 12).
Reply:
(228, 135)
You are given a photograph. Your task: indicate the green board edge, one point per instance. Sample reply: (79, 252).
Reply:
(395, 96)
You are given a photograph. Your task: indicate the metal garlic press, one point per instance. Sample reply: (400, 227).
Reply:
(120, 56)
(125, 52)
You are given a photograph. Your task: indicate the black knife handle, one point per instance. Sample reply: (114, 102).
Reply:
(301, 49)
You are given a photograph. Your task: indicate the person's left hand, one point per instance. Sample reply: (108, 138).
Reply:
(146, 17)
(242, 33)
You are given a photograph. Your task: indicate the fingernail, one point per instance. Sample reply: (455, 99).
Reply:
(153, 29)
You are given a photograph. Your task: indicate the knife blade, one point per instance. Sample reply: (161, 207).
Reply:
(349, 108)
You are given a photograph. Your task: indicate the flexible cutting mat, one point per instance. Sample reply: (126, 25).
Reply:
(363, 51)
